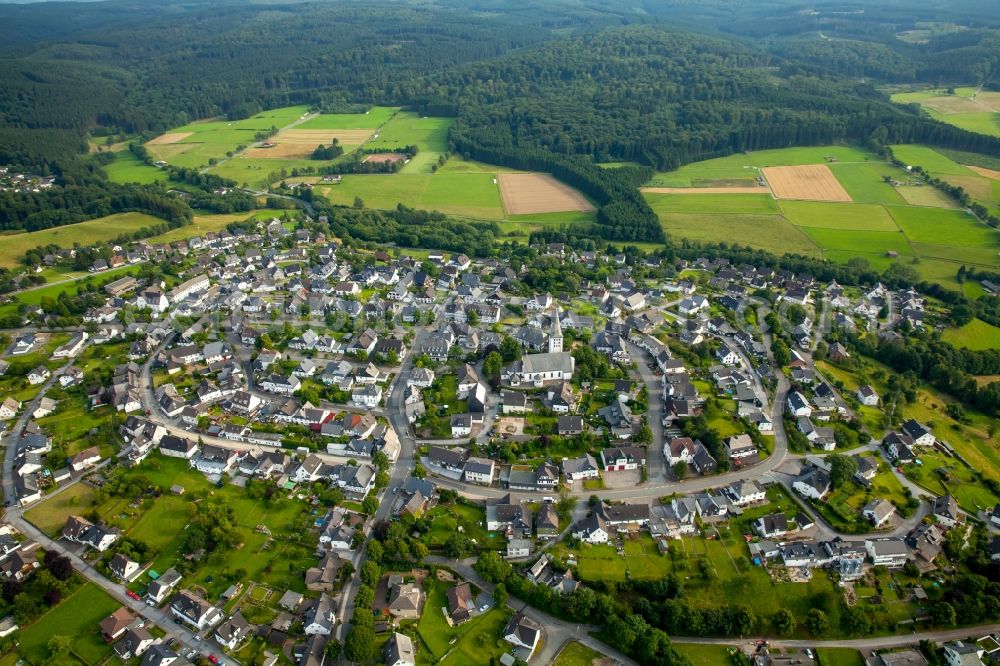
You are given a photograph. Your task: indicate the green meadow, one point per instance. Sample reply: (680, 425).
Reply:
(14, 245)
(743, 166)
(127, 168)
(964, 113)
(916, 224)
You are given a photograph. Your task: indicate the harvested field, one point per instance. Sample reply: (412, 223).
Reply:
(953, 104)
(749, 189)
(350, 137)
(299, 143)
(811, 182)
(989, 173)
(526, 193)
(169, 137)
(385, 157)
(977, 186)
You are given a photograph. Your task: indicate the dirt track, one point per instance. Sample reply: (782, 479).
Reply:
(810, 182)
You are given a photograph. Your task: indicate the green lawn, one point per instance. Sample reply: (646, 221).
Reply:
(576, 654)
(78, 617)
(983, 121)
(50, 515)
(644, 559)
(929, 159)
(14, 245)
(594, 562)
(705, 655)
(476, 639)
(977, 334)
(839, 657)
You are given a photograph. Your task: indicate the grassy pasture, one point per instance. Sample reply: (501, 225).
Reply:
(409, 128)
(977, 334)
(756, 204)
(839, 216)
(865, 184)
(77, 617)
(860, 242)
(943, 227)
(741, 167)
(768, 232)
(127, 168)
(14, 245)
(468, 194)
(929, 159)
(202, 224)
(979, 115)
(925, 195)
(374, 117)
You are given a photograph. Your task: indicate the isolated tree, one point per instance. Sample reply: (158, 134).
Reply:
(493, 364)
(855, 621)
(59, 645)
(784, 622)
(842, 468)
(375, 550)
(370, 573)
(500, 595)
(359, 646)
(943, 614)
(492, 567)
(817, 622)
(509, 349)
(680, 469)
(457, 546)
(359, 203)
(782, 354)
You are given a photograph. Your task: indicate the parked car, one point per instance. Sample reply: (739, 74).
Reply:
(132, 594)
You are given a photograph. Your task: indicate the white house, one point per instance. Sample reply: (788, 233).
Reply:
(867, 396)
(194, 611)
(479, 470)
(798, 405)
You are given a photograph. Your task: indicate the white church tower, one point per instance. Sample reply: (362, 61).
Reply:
(555, 334)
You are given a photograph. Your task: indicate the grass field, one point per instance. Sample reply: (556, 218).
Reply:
(755, 204)
(77, 617)
(743, 166)
(14, 245)
(475, 641)
(977, 334)
(127, 168)
(202, 224)
(50, 515)
(980, 115)
(705, 655)
(466, 194)
(883, 224)
(839, 657)
(576, 654)
(838, 216)
(767, 232)
(409, 128)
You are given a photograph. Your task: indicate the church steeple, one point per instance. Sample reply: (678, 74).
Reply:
(555, 334)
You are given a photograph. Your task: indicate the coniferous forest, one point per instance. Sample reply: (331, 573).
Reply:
(535, 87)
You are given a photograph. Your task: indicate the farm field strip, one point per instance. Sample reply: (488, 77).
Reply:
(983, 171)
(539, 193)
(812, 182)
(748, 189)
